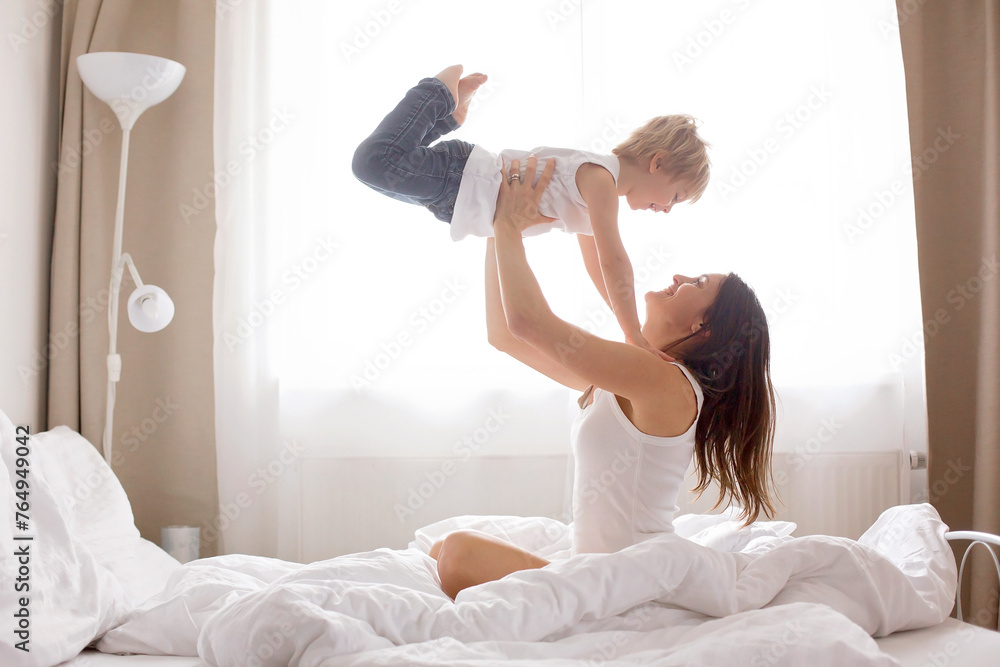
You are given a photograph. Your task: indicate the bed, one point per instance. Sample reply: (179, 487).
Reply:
(714, 593)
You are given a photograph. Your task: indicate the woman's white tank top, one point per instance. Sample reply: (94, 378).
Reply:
(476, 202)
(626, 482)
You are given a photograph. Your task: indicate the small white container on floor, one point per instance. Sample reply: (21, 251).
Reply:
(181, 542)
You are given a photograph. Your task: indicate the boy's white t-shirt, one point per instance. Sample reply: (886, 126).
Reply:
(477, 194)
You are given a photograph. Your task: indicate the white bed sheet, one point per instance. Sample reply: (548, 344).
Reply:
(950, 643)
(92, 658)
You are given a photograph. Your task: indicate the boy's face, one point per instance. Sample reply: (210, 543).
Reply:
(656, 190)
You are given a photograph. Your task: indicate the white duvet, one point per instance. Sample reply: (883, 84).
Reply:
(712, 594)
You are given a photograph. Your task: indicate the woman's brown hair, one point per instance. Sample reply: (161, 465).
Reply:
(735, 432)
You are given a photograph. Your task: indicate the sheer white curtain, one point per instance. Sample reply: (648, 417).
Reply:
(246, 379)
(349, 326)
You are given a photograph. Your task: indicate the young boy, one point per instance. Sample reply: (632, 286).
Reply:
(663, 163)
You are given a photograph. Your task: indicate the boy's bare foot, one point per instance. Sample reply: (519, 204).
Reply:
(467, 87)
(462, 89)
(450, 76)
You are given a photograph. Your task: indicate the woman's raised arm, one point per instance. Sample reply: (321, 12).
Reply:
(623, 369)
(501, 338)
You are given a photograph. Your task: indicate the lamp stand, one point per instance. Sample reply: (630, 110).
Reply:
(129, 83)
(114, 359)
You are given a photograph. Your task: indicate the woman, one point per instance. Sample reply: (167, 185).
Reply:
(642, 418)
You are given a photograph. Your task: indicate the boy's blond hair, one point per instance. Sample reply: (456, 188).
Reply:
(687, 154)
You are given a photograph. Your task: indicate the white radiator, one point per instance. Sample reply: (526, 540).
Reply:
(349, 505)
(840, 493)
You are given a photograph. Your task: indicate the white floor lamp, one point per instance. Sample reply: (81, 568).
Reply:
(129, 83)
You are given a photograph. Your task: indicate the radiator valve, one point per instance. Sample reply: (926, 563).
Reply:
(918, 460)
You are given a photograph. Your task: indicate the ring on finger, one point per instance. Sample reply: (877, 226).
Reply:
(515, 177)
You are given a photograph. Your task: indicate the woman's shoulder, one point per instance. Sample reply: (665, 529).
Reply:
(688, 374)
(678, 385)
(684, 379)
(667, 413)
(679, 389)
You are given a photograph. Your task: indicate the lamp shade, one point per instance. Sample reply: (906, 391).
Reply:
(150, 309)
(129, 83)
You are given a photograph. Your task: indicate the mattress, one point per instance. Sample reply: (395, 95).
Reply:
(91, 658)
(952, 642)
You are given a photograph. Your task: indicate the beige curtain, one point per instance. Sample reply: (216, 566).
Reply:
(164, 418)
(951, 52)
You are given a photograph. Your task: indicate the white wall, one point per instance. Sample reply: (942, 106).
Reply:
(29, 117)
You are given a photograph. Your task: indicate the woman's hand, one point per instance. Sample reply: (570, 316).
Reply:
(517, 204)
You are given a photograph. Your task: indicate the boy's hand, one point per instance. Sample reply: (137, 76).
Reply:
(640, 341)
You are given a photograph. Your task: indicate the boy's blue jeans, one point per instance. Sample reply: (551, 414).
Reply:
(396, 158)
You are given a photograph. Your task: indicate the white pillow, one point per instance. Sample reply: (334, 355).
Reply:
(87, 565)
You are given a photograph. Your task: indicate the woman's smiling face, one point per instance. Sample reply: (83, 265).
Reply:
(685, 301)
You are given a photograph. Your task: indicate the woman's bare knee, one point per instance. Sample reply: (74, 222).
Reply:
(453, 559)
(469, 558)
(435, 549)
